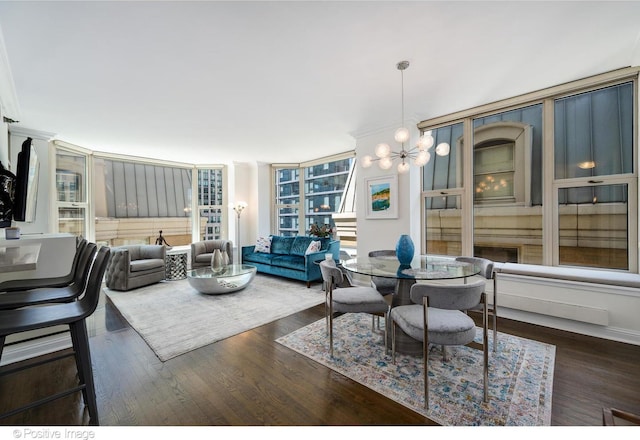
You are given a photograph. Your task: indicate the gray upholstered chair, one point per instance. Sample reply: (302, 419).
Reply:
(487, 272)
(134, 266)
(202, 251)
(386, 286)
(438, 317)
(353, 299)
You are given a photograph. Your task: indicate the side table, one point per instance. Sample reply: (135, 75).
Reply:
(176, 265)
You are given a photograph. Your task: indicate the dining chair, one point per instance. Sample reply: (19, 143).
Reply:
(353, 299)
(35, 283)
(74, 315)
(17, 299)
(487, 272)
(437, 316)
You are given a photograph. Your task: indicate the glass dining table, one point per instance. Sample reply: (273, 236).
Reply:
(421, 268)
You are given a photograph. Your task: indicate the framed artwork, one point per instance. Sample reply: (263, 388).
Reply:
(382, 197)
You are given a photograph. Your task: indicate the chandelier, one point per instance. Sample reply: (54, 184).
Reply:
(420, 154)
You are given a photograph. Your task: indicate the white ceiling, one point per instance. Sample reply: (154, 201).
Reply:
(217, 82)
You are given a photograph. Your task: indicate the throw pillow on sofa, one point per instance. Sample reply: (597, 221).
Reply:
(263, 244)
(314, 246)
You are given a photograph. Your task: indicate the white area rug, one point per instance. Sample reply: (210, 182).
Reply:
(174, 319)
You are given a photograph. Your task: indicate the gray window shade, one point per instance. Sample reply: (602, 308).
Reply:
(144, 190)
(597, 128)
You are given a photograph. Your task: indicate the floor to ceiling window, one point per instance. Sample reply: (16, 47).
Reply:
(72, 192)
(211, 206)
(309, 193)
(548, 178)
(134, 201)
(507, 187)
(594, 159)
(117, 199)
(442, 190)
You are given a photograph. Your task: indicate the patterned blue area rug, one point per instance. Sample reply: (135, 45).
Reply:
(520, 374)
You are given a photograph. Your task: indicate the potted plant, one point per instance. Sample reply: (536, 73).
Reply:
(320, 231)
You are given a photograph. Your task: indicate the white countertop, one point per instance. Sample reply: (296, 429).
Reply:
(19, 257)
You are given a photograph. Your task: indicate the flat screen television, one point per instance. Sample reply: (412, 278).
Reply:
(26, 190)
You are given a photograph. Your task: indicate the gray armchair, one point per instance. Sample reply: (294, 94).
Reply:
(358, 299)
(135, 266)
(437, 316)
(201, 252)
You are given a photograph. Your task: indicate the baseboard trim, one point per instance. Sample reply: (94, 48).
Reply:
(583, 328)
(34, 348)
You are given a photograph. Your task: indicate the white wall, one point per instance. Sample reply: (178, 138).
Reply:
(263, 196)
(244, 183)
(384, 233)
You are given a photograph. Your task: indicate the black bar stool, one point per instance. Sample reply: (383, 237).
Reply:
(74, 315)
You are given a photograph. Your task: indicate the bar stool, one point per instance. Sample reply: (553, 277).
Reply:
(74, 315)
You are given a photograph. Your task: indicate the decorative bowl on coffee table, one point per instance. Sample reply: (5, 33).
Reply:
(232, 278)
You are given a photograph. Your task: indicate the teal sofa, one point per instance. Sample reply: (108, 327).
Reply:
(287, 257)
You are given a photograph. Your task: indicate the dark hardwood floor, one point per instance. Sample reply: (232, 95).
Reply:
(250, 380)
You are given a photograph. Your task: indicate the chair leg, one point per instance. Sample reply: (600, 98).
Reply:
(76, 343)
(331, 326)
(326, 312)
(425, 357)
(386, 331)
(83, 360)
(393, 341)
(495, 312)
(485, 348)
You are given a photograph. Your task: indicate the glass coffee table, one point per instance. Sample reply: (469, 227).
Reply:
(229, 279)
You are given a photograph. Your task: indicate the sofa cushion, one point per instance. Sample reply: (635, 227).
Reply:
(281, 245)
(140, 265)
(258, 257)
(300, 245)
(289, 261)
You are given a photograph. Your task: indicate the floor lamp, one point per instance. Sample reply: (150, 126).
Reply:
(238, 207)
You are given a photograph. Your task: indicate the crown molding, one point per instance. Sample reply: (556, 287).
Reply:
(16, 130)
(8, 98)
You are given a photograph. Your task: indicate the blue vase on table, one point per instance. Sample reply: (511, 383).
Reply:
(405, 249)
